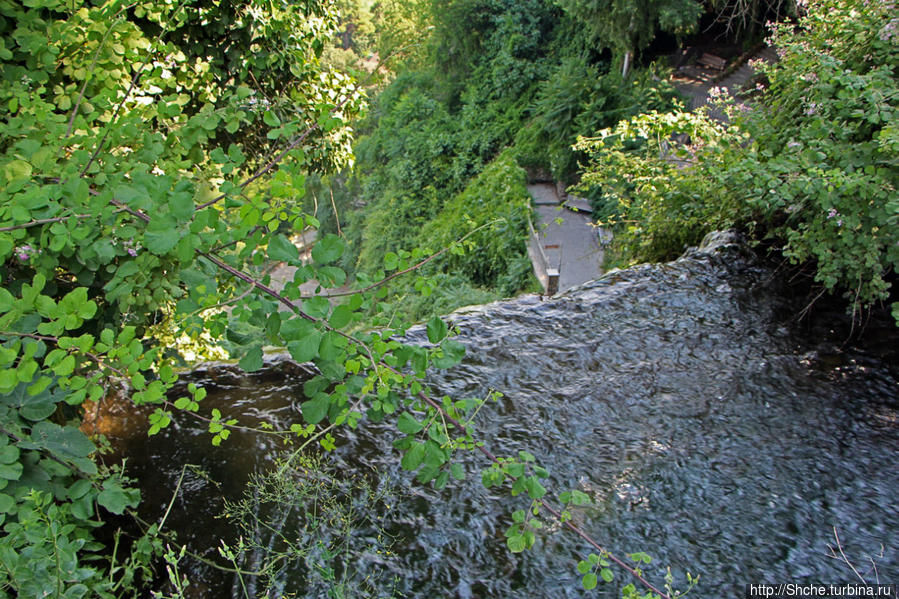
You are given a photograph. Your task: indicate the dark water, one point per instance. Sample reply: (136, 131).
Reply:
(709, 430)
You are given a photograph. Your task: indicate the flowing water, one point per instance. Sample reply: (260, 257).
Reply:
(710, 432)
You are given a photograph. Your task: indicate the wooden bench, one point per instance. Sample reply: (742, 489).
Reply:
(712, 61)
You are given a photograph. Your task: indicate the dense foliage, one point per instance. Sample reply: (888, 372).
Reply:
(629, 26)
(814, 165)
(147, 186)
(526, 76)
(130, 205)
(156, 158)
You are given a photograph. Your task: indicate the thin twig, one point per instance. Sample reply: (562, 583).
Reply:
(568, 523)
(44, 221)
(334, 207)
(400, 273)
(166, 403)
(174, 497)
(90, 72)
(115, 114)
(845, 559)
(55, 340)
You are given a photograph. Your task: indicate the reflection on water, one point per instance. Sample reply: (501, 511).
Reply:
(709, 434)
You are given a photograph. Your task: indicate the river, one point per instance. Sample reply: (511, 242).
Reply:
(711, 430)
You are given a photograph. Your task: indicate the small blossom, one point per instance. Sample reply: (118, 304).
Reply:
(132, 252)
(25, 252)
(832, 213)
(793, 144)
(889, 31)
(812, 109)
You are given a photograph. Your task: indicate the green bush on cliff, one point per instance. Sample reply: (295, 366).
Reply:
(814, 165)
(497, 202)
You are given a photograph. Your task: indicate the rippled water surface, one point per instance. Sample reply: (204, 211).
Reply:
(709, 432)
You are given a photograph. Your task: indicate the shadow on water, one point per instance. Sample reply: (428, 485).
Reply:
(709, 431)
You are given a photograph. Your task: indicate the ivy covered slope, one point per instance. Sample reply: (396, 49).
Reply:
(813, 167)
(495, 87)
(152, 157)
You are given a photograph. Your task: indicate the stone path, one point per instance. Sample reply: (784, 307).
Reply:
(695, 82)
(569, 238)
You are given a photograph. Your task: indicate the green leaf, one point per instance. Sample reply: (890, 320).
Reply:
(79, 488)
(413, 457)
(66, 442)
(17, 169)
(514, 470)
(271, 119)
(583, 567)
(181, 205)
(341, 316)
(516, 543)
(11, 471)
(280, 249)
(316, 307)
(437, 330)
(162, 238)
(331, 347)
(296, 328)
(589, 581)
(306, 348)
(315, 410)
(8, 380)
(65, 367)
(408, 424)
(580, 498)
(606, 574)
(252, 361)
(534, 488)
(331, 276)
(328, 249)
(114, 498)
(452, 353)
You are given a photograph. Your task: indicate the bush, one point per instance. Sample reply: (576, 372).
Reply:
(815, 166)
(498, 201)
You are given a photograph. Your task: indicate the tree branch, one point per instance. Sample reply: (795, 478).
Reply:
(387, 279)
(45, 221)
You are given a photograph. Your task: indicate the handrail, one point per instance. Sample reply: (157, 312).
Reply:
(547, 275)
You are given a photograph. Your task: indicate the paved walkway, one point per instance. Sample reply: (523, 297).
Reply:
(695, 82)
(569, 238)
